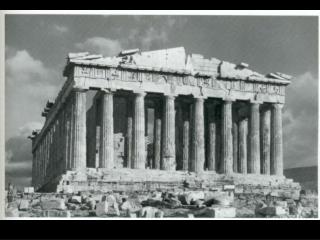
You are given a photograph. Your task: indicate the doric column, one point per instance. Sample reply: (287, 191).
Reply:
(265, 141)
(243, 135)
(235, 145)
(157, 136)
(168, 145)
(185, 137)
(139, 148)
(47, 149)
(276, 140)
(129, 132)
(67, 138)
(79, 145)
(178, 135)
(212, 132)
(254, 138)
(198, 154)
(226, 143)
(106, 158)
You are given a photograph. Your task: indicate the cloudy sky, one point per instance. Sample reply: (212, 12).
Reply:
(37, 45)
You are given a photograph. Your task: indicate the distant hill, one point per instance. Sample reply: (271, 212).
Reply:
(306, 176)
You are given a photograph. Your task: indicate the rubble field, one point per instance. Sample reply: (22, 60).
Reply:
(175, 203)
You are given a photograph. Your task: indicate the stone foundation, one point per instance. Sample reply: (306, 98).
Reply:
(128, 180)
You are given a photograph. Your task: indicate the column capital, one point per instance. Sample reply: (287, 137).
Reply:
(140, 93)
(78, 89)
(170, 95)
(256, 102)
(277, 105)
(108, 90)
(228, 99)
(199, 96)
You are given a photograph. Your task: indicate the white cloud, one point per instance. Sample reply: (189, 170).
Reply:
(100, 45)
(22, 67)
(59, 29)
(154, 36)
(29, 84)
(26, 129)
(300, 122)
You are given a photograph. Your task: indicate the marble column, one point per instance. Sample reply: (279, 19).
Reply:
(254, 138)
(185, 137)
(226, 143)
(276, 140)
(106, 158)
(157, 135)
(71, 130)
(243, 135)
(79, 145)
(139, 148)
(178, 135)
(129, 132)
(168, 144)
(198, 153)
(235, 145)
(265, 141)
(212, 129)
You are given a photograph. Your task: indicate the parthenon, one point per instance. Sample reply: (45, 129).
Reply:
(161, 111)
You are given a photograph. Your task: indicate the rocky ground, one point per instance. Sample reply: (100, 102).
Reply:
(156, 204)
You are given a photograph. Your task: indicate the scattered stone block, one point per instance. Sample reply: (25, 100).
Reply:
(283, 204)
(156, 195)
(190, 215)
(24, 204)
(56, 213)
(73, 206)
(132, 215)
(159, 214)
(272, 211)
(28, 190)
(57, 203)
(221, 212)
(220, 198)
(68, 189)
(97, 198)
(187, 197)
(149, 212)
(142, 198)
(113, 209)
(101, 208)
(228, 187)
(75, 199)
(12, 212)
(91, 203)
(130, 205)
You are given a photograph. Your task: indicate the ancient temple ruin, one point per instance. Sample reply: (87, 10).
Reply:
(162, 117)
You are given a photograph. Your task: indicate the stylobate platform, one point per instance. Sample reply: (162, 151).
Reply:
(104, 180)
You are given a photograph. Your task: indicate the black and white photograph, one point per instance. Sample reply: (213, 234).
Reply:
(144, 115)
